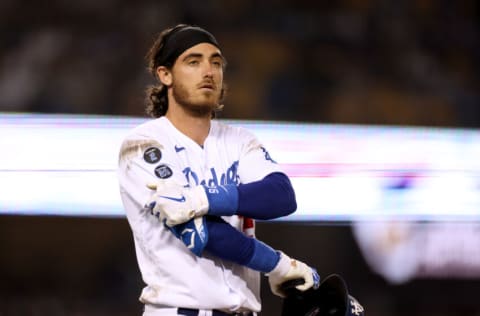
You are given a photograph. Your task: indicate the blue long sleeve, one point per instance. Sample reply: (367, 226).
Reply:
(230, 244)
(269, 198)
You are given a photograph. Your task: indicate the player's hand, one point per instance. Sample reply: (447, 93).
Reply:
(176, 204)
(289, 269)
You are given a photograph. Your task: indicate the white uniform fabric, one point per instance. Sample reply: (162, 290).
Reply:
(158, 311)
(174, 276)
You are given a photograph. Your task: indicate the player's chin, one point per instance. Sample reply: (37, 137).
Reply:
(209, 101)
(201, 109)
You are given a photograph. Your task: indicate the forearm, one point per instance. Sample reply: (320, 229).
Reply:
(271, 197)
(228, 243)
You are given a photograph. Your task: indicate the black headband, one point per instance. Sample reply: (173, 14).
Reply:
(180, 41)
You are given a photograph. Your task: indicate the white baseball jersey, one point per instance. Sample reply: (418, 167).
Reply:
(174, 276)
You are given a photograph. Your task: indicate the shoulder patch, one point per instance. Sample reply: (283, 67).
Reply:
(152, 155)
(163, 171)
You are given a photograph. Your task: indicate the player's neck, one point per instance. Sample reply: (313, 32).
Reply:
(196, 128)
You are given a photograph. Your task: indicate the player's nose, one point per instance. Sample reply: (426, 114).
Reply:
(211, 69)
(208, 70)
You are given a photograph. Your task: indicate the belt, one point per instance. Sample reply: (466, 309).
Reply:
(195, 312)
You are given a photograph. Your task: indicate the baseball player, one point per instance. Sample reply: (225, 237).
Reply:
(192, 188)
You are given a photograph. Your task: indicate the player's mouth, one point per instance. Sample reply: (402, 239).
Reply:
(207, 86)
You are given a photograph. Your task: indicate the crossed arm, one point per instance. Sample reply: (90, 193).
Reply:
(271, 197)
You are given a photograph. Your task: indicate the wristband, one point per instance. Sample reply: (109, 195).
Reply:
(222, 200)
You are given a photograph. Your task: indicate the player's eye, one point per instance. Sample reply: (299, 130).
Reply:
(217, 62)
(193, 62)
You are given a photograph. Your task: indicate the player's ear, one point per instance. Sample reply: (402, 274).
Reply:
(164, 75)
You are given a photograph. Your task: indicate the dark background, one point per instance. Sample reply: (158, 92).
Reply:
(350, 61)
(357, 61)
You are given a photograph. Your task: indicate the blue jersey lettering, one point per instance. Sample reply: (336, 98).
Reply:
(229, 177)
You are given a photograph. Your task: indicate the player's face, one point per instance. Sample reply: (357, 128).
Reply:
(197, 79)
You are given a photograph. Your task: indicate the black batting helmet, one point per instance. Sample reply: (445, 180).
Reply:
(330, 299)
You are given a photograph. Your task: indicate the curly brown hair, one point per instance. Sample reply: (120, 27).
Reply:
(156, 95)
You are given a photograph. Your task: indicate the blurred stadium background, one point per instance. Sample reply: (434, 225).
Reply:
(392, 63)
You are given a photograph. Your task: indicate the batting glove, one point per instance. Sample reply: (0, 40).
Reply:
(289, 269)
(175, 204)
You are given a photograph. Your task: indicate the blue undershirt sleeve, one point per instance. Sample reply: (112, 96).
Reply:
(227, 243)
(269, 198)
